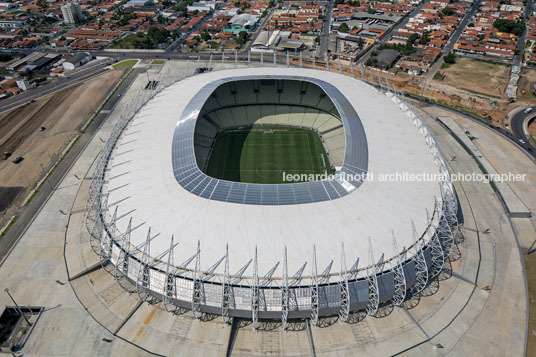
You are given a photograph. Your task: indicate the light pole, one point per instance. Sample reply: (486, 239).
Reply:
(18, 308)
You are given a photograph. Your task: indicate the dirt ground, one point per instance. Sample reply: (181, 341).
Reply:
(469, 74)
(440, 92)
(526, 80)
(62, 114)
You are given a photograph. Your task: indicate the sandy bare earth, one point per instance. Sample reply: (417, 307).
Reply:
(62, 114)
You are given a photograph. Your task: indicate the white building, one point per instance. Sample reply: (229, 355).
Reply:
(76, 61)
(24, 85)
(72, 13)
(203, 6)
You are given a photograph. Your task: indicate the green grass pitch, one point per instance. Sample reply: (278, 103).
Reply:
(262, 154)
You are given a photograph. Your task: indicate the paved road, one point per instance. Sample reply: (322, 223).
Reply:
(516, 126)
(324, 36)
(454, 38)
(521, 42)
(389, 33)
(49, 88)
(26, 215)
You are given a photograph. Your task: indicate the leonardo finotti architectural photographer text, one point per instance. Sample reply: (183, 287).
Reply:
(405, 177)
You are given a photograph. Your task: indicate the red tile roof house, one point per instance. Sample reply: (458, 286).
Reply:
(430, 53)
(14, 90)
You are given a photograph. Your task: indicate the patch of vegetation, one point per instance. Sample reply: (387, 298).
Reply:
(183, 7)
(158, 62)
(243, 36)
(438, 76)
(510, 26)
(140, 40)
(125, 64)
(344, 28)
(448, 11)
(405, 49)
(8, 226)
(450, 58)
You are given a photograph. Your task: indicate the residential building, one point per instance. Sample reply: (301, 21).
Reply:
(72, 13)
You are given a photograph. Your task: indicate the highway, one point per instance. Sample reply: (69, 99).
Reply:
(26, 215)
(517, 125)
(515, 133)
(51, 87)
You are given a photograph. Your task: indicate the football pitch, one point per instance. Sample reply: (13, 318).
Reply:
(263, 154)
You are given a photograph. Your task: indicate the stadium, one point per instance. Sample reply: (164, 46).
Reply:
(190, 198)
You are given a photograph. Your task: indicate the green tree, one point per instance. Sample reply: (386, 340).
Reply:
(205, 36)
(158, 35)
(360, 43)
(344, 28)
(448, 11)
(242, 37)
(510, 26)
(450, 58)
(411, 39)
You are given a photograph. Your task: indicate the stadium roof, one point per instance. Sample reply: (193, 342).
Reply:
(193, 180)
(142, 184)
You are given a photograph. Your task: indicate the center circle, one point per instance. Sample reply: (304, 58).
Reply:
(268, 170)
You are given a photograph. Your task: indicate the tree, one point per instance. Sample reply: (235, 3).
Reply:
(242, 37)
(510, 26)
(360, 43)
(450, 58)
(158, 35)
(448, 11)
(344, 28)
(205, 36)
(411, 39)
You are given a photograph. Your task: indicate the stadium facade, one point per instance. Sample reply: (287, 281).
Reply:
(273, 251)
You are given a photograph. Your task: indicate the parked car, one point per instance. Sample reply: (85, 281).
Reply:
(528, 110)
(18, 160)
